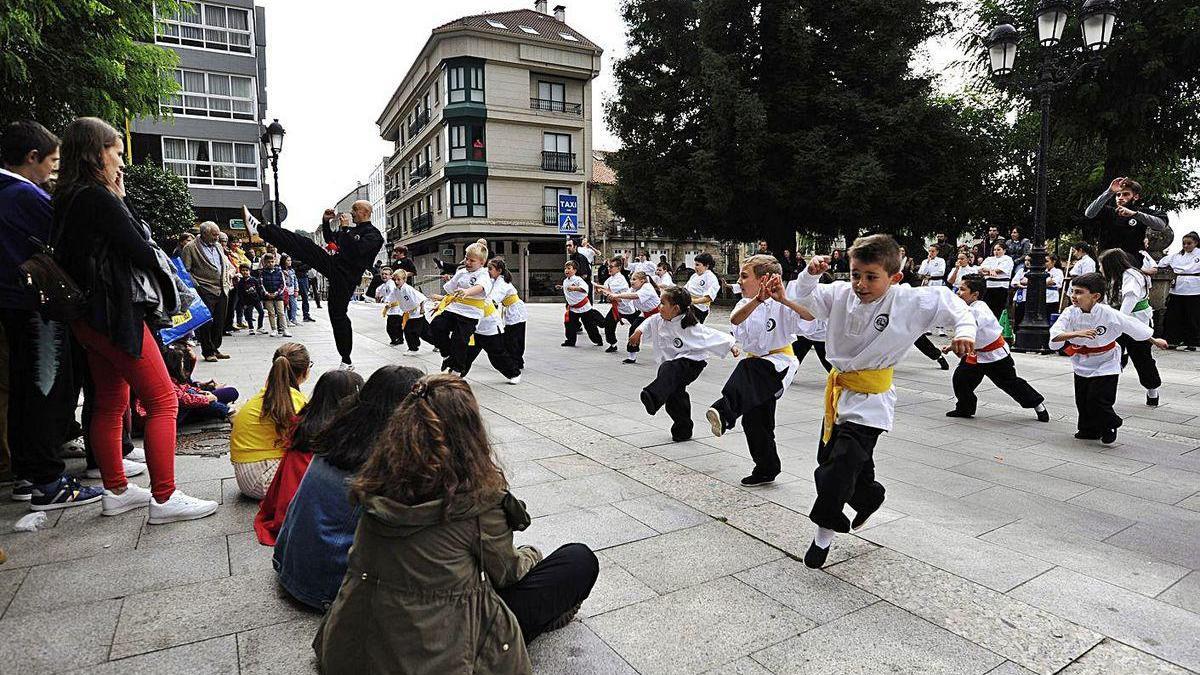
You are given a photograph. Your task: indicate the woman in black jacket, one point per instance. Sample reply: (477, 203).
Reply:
(109, 253)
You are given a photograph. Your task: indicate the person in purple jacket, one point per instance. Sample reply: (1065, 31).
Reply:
(41, 400)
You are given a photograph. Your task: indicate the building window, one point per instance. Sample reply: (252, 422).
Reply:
(212, 95)
(556, 153)
(468, 199)
(550, 204)
(465, 83)
(556, 92)
(437, 147)
(467, 141)
(216, 163)
(208, 26)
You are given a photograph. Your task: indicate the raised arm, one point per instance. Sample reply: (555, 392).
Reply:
(1097, 206)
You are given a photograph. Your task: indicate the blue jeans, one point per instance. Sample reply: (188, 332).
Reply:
(303, 282)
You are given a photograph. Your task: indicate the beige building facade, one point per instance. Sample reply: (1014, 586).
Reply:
(490, 124)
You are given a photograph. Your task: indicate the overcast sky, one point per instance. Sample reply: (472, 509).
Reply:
(332, 66)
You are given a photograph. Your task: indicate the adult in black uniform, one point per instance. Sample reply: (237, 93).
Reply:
(1124, 222)
(347, 254)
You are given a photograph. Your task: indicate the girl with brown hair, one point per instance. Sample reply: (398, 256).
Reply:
(434, 548)
(108, 251)
(261, 427)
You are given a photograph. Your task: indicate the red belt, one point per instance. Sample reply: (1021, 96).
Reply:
(581, 303)
(997, 344)
(1073, 349)
(648, 314)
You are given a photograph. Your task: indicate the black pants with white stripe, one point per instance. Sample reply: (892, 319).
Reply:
(1002, 373)
(669, 389)
(750, 393)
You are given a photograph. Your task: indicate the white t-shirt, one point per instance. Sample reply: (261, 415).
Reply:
(771, 326)
(700, 285)
(1110, 325)
(664, 280)
(1054, 282)
(1085, 265)
(1002, 263)
(588, 253)
(671, 342)
(617, 284)
(514, 313)
(575, 290)
(1184, 263)
(935, 269)
(463, 280)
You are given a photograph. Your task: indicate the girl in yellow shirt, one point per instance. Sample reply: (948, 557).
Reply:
(261, 427)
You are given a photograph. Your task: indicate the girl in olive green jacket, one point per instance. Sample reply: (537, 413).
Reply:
(434, 583)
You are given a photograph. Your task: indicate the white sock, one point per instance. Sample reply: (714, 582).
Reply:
(632, 356)
(1041, 407)
(1152, 393)
(824, 537)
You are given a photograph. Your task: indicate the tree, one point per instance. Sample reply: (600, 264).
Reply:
(161, 198)
(62, 59)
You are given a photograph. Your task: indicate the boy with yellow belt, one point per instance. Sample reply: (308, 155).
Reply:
(764, 323)
(461, 309)
(872, 324)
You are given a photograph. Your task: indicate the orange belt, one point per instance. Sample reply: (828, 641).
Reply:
(1073, 349)
(971, 358)
(581, 303)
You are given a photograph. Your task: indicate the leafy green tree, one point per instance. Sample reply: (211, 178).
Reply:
(161, 198)
(62, 59)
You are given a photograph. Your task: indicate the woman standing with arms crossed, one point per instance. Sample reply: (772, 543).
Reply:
(104, 249)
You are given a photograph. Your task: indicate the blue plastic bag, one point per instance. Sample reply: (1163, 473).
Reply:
(193, 317)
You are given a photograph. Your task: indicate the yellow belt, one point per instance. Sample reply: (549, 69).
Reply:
(510, 300)
(782, 350)
(478, 303)
(858, 381)
(701, 299)
(388, 306)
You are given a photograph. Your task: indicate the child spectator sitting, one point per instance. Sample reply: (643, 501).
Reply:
(260, 428)
(197, 402)
(335, 389)
(314, 540)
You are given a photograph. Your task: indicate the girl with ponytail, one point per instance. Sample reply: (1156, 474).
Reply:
(261, 427)
(643, 296)
(434, 548)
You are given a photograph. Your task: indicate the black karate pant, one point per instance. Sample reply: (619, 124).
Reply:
(926, 347)
(1094, 399)
(1181, 325)
(1002, 373)
(669, 389)
(394, 331)
(803, 344)
(343, 278)
(514, 343)
(845, 474)
(995, 299)
(41, 393)
(212, 333)
(552, 588)
(701, 314)
(497, 355)
(610, 325)
(450, 333)
(592, 321)
(413, 330)
(750, 393)
(1140, 352)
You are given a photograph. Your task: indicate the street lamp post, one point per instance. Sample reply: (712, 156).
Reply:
(272, 140)
(1097, 18)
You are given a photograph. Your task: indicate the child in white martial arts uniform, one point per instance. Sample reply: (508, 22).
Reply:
(512, 309)
(643, 297)
(998, 270)
(489, 337)
(1182, 321)
(662, 277)
(933, 273)
(391, 312)
(410, 303)
(621, 310)
(764, 323)
(681, 345)
(703, 285)
(579, 308)
(990, 359)
(812, 336)
(461, 309)
(1130, 289)
(872, 323)
(1090, 330)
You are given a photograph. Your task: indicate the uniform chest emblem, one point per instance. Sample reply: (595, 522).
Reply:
(1101, 330)
(678, 343)
(770, 325)
(1133, 222)
(881, 322)
(701, 283)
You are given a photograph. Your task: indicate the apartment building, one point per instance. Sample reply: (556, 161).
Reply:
(209, 133)
(489, 125)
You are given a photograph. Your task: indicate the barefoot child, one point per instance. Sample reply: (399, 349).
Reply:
(764, 322)
(410, 302)
(681, 345)
(579, 308)
(992, 359)
(872, 323)
(1090, 330)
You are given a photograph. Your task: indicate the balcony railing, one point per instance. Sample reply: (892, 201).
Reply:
(550, 215)
(547, 105)
(393, 233)
(558, 161)
(422, 222)
(391, 195)
(419, 123)
(419, 174)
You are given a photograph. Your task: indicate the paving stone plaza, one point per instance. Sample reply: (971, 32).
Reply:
(1005, 546)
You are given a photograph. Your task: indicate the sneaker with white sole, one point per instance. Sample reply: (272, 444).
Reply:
(287, 333)
(137, 455)
(131, 469)
(134, 497)
(63, 493)
(515, 380)
(180, 507)
(22, 490)
(714, 421)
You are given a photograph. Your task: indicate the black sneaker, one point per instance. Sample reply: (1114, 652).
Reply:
(1152, 402)
(955, 413)
(648, 401)
(1190, 348)
(861, 517)
(681, 436)
(567, 343)
(815, 557)
(629, 361)
(755, 481)
(942, 362)
(1109, 437)
(63, 493)
(22, 490)
(1085, 436)
(612, 349)
(1043, 415)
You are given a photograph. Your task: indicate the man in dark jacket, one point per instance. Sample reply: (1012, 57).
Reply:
(1124, 222)
(205, 260)
(42, 395)
(347, 254)
(582, 268)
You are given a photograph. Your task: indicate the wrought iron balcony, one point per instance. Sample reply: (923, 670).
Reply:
(419, 174)
(391, 195)
(418, 124)
(422, 222)
(550, 215)
(547, 105)
(558, 161)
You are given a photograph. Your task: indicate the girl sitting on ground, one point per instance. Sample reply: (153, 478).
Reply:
(434, 549)
(197, 402)
(260, 428)
(335, 390)
(312, 544)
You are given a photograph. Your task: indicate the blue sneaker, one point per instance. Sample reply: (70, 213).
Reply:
(22, 490)
(63, 493)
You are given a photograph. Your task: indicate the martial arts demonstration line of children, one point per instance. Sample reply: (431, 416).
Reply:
(872, 319)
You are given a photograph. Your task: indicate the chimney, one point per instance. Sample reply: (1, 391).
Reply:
(560, 13)
(540, 6)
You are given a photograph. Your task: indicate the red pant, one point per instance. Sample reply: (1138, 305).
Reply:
(114, 371)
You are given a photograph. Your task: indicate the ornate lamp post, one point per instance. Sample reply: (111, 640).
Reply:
(1056, 70)
(272, 140)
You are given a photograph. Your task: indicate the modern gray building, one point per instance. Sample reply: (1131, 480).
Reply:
(209, 133)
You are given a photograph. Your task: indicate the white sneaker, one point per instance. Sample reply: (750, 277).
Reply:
(514, 380)
(287, 333)
(134, 497)
(271, 334)
(131, 469)
(263, 331)
(410, 352)
(180, 507)
(137, 455)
